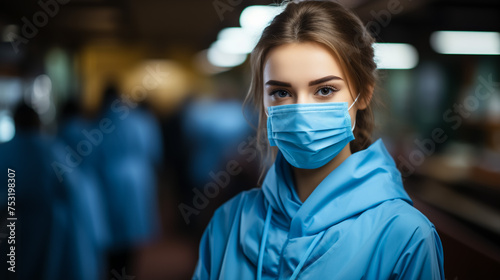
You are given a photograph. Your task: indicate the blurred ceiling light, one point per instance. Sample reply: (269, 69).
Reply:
(202, 64)
(235, 40)
(220, 58)
(466, 42)
(7, 128)
(234, 43)
(395, 56)
(256, 18)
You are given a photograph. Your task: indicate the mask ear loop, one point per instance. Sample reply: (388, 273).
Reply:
(352, 129)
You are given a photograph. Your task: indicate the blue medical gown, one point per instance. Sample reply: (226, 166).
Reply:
(86, 178)
(57, 227)
(129, 155)
(358, 223)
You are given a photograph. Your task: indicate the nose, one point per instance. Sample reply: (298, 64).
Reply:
(303, 97)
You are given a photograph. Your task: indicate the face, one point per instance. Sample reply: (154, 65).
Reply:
(304, 73)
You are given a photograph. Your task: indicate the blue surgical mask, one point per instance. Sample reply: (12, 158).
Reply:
(310, 135)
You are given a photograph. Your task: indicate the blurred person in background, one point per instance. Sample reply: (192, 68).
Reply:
(332, 206)
(55, 235)
(213, 130)
(130, 154)
(75, 128)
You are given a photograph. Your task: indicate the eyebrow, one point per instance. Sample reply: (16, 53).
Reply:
(311, 83)
(324, 79)
(278, 83)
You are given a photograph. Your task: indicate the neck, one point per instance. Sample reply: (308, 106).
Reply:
(306, 180)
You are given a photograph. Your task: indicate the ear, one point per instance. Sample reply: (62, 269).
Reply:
(365, 100)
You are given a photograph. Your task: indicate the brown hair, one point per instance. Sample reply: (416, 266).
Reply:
(330, 24)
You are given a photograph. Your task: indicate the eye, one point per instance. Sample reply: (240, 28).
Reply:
(279, 93)
(326, 91)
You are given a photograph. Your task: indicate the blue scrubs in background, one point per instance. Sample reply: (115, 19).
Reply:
(57, 232)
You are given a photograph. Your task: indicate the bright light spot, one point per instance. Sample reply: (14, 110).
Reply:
(201, 62)
(42, 85)
(40, 99)
(395, 56)
(256, 18)
(7, 128)
(234, 43)
(236, 40)
(466, 42)
(220, 58)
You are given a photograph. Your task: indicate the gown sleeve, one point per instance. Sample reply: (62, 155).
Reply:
(422, 258)
(202, 270)
(214, 242)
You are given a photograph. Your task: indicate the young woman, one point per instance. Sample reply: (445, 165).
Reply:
(332, 206)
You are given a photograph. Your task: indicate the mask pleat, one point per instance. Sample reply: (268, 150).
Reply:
(309, 135)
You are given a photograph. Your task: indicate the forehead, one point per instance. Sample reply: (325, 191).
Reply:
(300, 61)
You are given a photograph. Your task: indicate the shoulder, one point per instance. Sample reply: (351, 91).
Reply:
(405, 217)
(226, 218)
(406, 224)
(223, 225)
(229, 210)
(414, 241)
